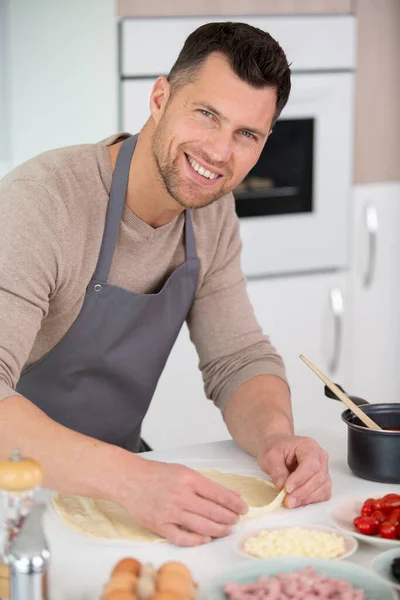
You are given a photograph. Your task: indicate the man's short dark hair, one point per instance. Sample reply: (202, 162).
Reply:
(253, 55)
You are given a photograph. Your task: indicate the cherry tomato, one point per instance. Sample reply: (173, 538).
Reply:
(367, 525)
(387, 530)
(390, 504)
(394, 516)
(368, 507)
(378, 504)
(378, 514)
(390, 496)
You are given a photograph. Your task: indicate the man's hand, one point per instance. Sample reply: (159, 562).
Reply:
(180, 504)
(299, 465)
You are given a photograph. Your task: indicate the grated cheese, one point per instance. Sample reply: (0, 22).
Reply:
(295, 541)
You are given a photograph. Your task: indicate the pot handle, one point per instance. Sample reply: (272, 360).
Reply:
(329, 394)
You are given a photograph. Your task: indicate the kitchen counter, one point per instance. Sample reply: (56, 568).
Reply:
(80, 565)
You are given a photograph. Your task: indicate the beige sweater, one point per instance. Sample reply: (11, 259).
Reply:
(52, 214)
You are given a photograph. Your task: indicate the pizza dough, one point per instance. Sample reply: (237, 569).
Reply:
(105, 519)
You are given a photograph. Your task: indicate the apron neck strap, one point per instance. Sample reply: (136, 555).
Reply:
(190, 241)
(115, 207)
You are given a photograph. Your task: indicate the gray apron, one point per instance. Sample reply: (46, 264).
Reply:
(100, 378)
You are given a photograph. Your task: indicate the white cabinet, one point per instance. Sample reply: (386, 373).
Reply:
(307, 315)
(180, 414)
(135, 95)
(302, 314)
(375, 293)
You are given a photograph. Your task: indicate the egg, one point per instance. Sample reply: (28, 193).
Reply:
(175, 567)
(119, 595)
(167, 596)
(148, 570)
(145, 587)
(127, 565)
(174, 582)
(122, 581)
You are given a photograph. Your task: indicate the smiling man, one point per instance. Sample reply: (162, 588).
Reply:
(106, 250)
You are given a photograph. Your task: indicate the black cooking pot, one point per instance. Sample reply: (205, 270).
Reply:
(373, 454)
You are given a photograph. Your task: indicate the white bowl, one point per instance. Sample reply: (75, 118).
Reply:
(382, 564)
(343, 514)
(350, 543)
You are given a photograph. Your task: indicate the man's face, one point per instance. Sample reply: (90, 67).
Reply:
(210, 133)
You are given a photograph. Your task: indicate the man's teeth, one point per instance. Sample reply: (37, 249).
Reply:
(202, 170)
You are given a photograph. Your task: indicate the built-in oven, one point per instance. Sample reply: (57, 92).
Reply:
(293, 205)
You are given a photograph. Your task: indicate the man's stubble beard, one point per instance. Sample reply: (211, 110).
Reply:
(168, 174)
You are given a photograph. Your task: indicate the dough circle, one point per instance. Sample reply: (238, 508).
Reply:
(107, 520)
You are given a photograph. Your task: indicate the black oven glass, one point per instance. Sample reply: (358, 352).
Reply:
(281, 181)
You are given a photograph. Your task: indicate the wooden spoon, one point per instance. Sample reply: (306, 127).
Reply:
(368, 422)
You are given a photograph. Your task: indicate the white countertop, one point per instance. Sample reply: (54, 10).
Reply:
(80, 565)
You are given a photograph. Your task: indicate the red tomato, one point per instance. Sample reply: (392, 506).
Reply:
(367, 507)
(378, 514)
(367, 525)
(378, 504)
(387, 530)
(394, 516)
(367, 510)
(390, 504)
(390, 496)
(398, 532)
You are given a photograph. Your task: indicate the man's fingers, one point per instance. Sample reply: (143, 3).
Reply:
(274, 463)
(312, 495)
(212, 511)
(301, 493)
(220, 495)
(310, 463)
(204, 527)
(181, 537)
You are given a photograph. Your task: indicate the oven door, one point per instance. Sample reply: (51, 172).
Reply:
(293, 206)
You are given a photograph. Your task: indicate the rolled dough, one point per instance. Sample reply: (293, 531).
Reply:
(105, 519)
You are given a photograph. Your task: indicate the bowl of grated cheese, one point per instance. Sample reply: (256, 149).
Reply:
(314, 541)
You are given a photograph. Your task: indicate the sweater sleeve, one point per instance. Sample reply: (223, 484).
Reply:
(230, 343)
(32, 230)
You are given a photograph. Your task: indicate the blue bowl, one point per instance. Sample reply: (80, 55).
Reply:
(374, 587)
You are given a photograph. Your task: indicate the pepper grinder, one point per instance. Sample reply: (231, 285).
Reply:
(23, 547)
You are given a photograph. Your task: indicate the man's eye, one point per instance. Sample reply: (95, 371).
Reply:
(206, 113)
(247, 134)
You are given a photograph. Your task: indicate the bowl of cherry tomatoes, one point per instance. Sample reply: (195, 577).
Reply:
(375, 520)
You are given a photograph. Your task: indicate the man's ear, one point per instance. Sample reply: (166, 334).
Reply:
(159, 97)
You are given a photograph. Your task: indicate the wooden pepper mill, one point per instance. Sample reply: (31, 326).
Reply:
(23, 550)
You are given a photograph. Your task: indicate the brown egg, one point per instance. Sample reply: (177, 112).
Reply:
(122, 581)
(167, 596)
(119, 595)
(175, 567)
(127, 565)
(174, 582)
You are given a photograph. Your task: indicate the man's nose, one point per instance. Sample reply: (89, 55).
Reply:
(219, 148)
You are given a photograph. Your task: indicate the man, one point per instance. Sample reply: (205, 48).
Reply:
(106, 249)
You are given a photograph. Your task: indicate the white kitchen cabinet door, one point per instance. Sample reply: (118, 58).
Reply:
(297, 313)
(180, 414)
(375, 290)
(307, 315)
(135, 103)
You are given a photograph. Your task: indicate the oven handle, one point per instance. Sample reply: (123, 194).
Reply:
(371, 222)
(337, 307)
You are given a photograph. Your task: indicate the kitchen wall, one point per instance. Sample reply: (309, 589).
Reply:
(62, 68)
(59, 86)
